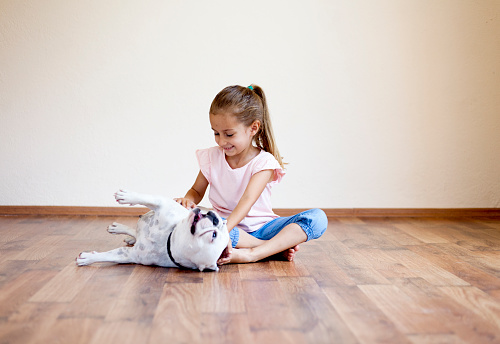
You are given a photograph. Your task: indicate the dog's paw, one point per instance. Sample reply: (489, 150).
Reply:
(114, 228)
(85, 258)
(130, 240)
(126, 197)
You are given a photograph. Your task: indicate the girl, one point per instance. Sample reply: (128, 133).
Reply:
(241, 171)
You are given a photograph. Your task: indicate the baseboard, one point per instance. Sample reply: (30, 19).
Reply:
(331, 213)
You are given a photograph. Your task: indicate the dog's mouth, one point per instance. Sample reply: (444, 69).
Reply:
(224, 253)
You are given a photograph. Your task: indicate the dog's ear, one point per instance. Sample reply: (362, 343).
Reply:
(213, 267)
(210, 267)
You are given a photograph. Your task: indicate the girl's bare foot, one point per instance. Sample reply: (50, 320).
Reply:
(238, 255)
(244, 255)
(290, 253)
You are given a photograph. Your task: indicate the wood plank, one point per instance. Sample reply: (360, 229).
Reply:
(65, 285)
(440, 338)
(40, 249)
(16, 292)
(384, 263)
(469, 238)
(458, 267)
(416, 307)
(365, 319)
(30, 319)
(289, 269)
(100, 293)
(226, 328)
(393, 234)
(477, 301)
(74, 331)
(322, 267)
(11, 269)
(410, 314)
(123, 332)
(361, 236)
(346, 221)
(266, 306)
(465, 323)
(281, 336)
(425, 268)
(139, 296)
(424, 234)
(351, 265)
(486, 261)
(189, 276)
(178, 315)
(9, 225)
(316, 318)
(66, 251)
(256, 271)
(222, 293)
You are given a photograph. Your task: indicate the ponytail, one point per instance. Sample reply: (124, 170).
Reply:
(264, 138)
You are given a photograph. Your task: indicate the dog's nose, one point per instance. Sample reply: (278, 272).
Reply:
(213, 218)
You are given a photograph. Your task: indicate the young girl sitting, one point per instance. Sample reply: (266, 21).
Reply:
(241, 171)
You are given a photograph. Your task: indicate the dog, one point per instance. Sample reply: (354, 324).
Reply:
(169, 236)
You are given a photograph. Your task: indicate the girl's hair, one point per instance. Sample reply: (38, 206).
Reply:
(249, 104)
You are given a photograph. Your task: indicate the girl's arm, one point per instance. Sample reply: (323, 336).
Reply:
(254, 189)
(196, 193)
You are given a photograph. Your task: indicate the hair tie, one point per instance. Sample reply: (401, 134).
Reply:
(250, 87)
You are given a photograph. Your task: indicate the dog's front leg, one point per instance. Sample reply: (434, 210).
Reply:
(133, 198)
(120, 255)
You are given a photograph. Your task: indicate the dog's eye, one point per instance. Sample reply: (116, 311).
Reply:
(214, 235)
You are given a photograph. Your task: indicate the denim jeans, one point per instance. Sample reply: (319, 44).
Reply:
(313, 222)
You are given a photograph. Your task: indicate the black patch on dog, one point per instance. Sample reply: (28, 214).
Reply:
(213, 218)
(196, 218)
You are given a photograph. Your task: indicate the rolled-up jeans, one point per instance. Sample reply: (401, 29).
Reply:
(313, 222)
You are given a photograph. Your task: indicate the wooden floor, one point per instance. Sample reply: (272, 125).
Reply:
(369, 280)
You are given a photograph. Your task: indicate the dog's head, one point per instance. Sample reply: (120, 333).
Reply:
(199, 240)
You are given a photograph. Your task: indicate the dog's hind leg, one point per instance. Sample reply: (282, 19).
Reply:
(120, 255)
(118, 228)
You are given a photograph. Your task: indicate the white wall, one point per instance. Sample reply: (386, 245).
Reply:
(375, 103)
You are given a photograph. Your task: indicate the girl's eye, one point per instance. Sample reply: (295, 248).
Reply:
(216, 134)
(229, 135)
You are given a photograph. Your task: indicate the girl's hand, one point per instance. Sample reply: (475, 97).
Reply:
(226, 254)
(185, 202)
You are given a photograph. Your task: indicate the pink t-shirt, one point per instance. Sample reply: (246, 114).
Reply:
(227, 185)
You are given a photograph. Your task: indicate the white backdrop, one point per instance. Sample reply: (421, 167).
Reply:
(374, 103)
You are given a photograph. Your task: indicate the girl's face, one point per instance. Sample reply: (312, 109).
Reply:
(231, 135)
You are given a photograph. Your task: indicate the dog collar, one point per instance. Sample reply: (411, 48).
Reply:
(170, 253)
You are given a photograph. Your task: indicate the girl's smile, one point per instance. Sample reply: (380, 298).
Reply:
(234, 138)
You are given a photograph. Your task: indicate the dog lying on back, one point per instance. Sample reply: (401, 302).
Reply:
(169, 235)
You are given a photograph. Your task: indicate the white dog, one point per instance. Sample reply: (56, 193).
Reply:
(169, 236)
